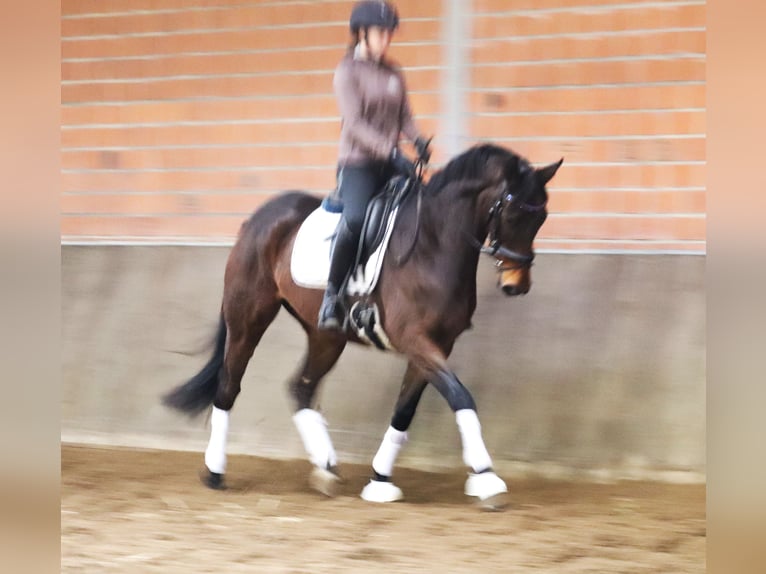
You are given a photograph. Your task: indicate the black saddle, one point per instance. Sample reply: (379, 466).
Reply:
(379, 210)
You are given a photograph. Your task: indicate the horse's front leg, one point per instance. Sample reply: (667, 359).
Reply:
(482, 482)
(381, 488)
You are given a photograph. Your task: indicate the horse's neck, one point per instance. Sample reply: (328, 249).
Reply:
(466, 208)
(458, 218)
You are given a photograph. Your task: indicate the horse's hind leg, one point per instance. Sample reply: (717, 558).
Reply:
(381, 488)
(245, 330)
(324, 349)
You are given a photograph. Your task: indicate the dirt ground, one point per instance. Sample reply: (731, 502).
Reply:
(146, 511)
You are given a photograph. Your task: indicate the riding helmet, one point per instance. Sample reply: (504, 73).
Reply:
(373, 13)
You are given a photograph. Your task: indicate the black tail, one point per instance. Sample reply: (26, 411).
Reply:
(198, 393)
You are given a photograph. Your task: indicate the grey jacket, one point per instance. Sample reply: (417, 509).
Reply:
(374, 108)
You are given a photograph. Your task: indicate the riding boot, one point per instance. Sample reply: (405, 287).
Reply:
(331, 313)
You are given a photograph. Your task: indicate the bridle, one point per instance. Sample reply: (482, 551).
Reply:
(494, 217)
(501, 253)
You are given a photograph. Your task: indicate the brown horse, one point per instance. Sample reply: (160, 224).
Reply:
(488, 199)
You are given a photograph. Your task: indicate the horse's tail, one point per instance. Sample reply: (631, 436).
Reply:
(198, 393)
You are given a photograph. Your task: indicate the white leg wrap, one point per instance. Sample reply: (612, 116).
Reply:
(381, 492)
(313, 430)
(475, 453)
(215, 454)
(485, 485)
(384, 460)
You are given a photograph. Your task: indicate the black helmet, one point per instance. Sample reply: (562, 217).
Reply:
(373, 13)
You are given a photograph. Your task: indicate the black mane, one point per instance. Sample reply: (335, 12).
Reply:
(472, 165)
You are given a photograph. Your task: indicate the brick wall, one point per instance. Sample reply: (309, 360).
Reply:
(618, 88)
(179, 117)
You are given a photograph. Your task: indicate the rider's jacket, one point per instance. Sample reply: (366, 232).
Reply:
(374, 108)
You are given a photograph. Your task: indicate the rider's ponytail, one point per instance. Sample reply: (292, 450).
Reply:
(353, 41)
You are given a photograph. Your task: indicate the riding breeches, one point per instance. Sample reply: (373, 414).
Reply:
(357, 185)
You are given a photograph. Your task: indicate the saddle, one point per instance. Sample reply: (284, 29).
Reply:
(379, 210)
(310, 260)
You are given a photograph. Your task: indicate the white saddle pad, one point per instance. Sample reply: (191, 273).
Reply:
(310, 260)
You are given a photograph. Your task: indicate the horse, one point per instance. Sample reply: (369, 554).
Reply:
(488, 199)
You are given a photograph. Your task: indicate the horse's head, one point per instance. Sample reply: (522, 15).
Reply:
(510, 200)
(516, 215)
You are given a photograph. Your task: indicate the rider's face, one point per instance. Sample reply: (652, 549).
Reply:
(378, 40)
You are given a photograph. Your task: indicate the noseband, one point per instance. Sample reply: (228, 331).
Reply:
(493, 223)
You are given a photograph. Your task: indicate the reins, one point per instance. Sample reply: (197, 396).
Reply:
(402, 259)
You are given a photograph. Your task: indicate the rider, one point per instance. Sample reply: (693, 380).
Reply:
(374, 107)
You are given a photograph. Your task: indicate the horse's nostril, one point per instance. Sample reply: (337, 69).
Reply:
(510, 289)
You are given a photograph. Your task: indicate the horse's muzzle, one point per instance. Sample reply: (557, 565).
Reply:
(515, 281)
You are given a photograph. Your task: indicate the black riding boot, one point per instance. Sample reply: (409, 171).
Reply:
(331, 313)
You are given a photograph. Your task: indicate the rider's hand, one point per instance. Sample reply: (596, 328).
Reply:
(401, 163)
(423, 147)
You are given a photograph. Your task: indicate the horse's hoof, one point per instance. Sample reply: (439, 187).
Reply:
(212, 479)
(489, 488)
(325, 481)
(494, 503)
(379, 491)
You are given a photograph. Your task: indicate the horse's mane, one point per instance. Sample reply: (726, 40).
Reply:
(472, 165)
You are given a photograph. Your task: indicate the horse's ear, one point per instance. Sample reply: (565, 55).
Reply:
(546, 173)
